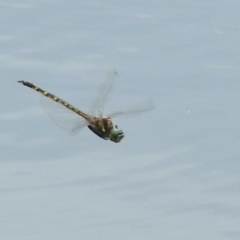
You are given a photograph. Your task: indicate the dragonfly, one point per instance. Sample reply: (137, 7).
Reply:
(99, 124)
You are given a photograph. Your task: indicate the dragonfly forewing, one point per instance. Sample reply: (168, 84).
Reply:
(145, 107)
(106, 88)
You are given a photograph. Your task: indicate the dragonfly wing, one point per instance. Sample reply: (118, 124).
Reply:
(62, 116)
(107, 86)
(146, 107)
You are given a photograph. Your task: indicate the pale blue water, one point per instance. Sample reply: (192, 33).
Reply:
(175, 175)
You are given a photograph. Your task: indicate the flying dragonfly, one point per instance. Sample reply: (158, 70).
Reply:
(99, 124)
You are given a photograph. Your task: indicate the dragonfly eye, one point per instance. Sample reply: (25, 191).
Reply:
(116, 135)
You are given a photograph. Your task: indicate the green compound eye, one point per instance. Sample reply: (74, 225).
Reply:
(116, 135)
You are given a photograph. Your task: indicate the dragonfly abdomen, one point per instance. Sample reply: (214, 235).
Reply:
(56, 99)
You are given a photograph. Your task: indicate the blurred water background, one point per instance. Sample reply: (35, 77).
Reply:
(175, 175)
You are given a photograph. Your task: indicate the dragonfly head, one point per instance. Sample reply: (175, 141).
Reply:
(116, 135)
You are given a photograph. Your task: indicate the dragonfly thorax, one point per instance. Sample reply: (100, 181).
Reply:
(104, 128)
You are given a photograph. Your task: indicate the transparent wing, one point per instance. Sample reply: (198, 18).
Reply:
(107, 86)
(145, 107)
(62, 116)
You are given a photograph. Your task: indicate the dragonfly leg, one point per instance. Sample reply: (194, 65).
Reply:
(96, 131)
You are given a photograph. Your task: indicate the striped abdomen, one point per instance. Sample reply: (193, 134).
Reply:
(56, 99)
